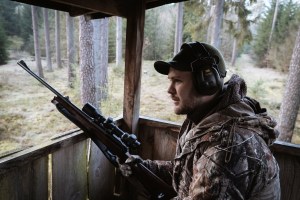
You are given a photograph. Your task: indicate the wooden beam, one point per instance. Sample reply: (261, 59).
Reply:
(23, 157)
(286, 148)
(69, 170)
(109, 7)
(50, 5)
(133, 63)
(75, 8)
(157, 3)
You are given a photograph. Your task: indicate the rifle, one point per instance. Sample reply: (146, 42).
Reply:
(111, 140)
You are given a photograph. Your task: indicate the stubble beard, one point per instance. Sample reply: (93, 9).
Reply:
(187, 108)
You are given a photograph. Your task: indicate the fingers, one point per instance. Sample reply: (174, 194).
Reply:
(134, 159)
(125, 170)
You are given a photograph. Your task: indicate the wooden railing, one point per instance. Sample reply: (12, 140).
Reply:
(288, 157)
(68, 167)
(159, 140)
(57, 170)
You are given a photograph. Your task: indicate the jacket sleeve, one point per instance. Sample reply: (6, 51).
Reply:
(163, 169)
(210, 179)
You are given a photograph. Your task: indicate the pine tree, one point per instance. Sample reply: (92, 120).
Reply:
(118, 40)
(26, 30)
(3, 42)
(9, 17)
(159, 33)
(291, 98)
(283, 37)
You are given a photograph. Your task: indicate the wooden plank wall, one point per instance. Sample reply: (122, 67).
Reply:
(288, 157)
(80, 173)
(62, 168)
(29, 181)
(158, 140)
(69, 172)
(133, 64)
(101, 175)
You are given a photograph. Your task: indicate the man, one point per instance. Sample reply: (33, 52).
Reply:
(222, 150)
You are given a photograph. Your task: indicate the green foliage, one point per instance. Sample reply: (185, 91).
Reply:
(257, 90)
(16, 24)
(26, 26)
(278, 54)
(198, 18)
(15, 43)
(112, 39)
(29, 45)
(159, 33)
(195, 22)
(3, 46)
(9, 16)
(119, 71)
(9, 26)
(239, 28)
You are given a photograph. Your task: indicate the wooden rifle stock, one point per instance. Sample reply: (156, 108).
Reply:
(111, 140)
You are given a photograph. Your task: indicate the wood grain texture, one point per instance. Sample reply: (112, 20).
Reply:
(21, 158)
(158, 139)
(289, 175)
(101, 175)
(69, 172)
(28, 182)
(133, 63)
(24, 175)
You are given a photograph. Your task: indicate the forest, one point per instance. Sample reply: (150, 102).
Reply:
(249, 33)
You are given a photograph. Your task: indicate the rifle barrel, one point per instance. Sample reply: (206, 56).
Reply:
(26, 68)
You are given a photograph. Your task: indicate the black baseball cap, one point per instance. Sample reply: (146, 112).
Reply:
(191, 55)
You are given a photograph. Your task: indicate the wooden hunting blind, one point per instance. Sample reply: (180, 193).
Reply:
(60, 168)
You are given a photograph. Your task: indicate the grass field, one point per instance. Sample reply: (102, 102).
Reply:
(27, 117)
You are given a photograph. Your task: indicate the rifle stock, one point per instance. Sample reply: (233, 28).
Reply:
(111, 140)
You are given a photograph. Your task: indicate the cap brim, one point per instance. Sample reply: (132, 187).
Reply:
(162, 67)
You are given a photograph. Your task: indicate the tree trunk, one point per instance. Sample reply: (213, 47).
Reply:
(179, 28)
(36, 42)
(291, 98)
(47, 40)
(273, 24)
(57, 39)
(209, 17)
(97, 56)
(87, 66)
(70, 50)
(235, 46)
(100, 45)
(217, 24)
(234, 52)
(88, 94)
(102, 74)
(119, 41)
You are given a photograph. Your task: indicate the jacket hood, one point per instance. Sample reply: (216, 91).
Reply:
(236, 109)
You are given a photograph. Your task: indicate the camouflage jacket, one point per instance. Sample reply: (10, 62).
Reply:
(225, 155)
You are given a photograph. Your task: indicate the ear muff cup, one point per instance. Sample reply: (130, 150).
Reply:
(207, 80)
(206, 77)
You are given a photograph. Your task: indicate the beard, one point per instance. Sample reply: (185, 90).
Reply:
(195, 108)
(186, 108)
(183, 109)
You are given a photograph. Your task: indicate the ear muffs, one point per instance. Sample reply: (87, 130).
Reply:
(206, 77)
(207, 80)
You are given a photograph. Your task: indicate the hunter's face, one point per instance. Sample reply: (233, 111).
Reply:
(183, 93)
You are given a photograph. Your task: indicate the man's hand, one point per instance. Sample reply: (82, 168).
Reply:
(125, 168)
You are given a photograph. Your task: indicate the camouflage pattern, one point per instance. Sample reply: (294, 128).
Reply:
(225, 155)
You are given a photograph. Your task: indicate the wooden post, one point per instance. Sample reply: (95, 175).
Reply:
(133, 63)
